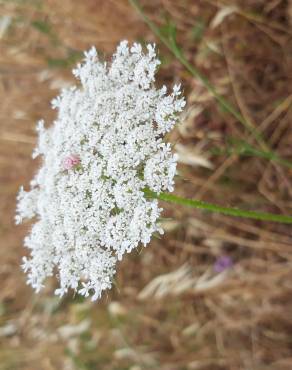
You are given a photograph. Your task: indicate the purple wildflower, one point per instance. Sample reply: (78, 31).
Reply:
(223, 263)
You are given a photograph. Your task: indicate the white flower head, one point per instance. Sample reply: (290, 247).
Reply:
(104, 148)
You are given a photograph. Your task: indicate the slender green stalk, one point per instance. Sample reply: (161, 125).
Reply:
(229, 211)
(173, 47)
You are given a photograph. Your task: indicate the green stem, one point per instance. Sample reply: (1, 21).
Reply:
(173, 47)
(229, 211)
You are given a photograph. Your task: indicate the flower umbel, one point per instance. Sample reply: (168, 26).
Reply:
(104, 148)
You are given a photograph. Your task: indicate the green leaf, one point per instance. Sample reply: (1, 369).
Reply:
(198, 30)
(42, 26)
(71, 59)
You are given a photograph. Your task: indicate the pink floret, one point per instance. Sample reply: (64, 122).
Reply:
(71, 161)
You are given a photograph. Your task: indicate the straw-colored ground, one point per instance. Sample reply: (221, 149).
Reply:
(170, 310)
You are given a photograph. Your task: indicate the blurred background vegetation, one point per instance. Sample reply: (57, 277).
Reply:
(172, 307)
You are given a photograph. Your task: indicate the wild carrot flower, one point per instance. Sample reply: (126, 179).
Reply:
(104, 148)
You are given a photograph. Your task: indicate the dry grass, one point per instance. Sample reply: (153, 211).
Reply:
(169, 310)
